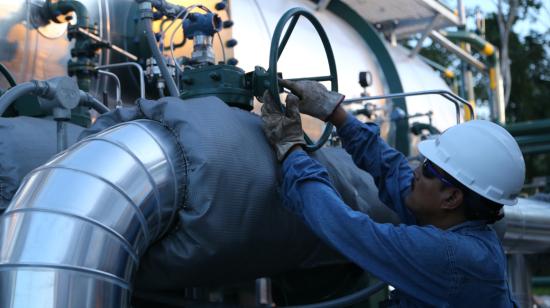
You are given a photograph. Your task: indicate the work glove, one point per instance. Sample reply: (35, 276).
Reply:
(283, 129)
(315, 99)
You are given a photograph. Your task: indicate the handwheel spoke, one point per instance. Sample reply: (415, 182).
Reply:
(287, 34)
(307, 139)
(316, 78)
(278, 45)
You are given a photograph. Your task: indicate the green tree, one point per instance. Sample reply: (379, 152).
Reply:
(530, 89)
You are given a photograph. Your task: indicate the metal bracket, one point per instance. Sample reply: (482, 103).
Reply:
(424, 36)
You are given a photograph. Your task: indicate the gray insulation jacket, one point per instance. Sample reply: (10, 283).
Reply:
(231, 225)
(207, 213)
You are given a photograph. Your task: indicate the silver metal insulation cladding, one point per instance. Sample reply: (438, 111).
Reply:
(74, 232)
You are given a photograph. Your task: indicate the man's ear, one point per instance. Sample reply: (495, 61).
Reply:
(452, 198)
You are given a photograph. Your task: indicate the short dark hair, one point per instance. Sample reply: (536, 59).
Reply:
(477, 207)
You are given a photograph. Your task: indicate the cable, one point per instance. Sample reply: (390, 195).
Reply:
(7, 74)
(187, 11)
(163, 31)
(223, 47)
(176, 64)
(162, 36)
(172, 89)
(263, 18)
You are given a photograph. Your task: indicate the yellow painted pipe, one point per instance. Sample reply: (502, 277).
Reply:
(488, 49)
(493, 78)
(467, 115)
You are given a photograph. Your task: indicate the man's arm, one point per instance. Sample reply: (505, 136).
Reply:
(400, 255)
(370, 152)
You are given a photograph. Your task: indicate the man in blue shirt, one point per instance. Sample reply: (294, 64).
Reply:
(443, 254)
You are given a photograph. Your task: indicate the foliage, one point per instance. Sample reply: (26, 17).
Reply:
(530, 70)
(530, 66)
(530, 95)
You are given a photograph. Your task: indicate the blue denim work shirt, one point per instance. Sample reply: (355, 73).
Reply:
(463, 266)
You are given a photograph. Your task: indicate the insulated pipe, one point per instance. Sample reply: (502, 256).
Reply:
(525, 227)
(75, 230)
(87, 99)
(9, 77)
(14, 93)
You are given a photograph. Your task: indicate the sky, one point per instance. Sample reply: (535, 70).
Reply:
(523, 27)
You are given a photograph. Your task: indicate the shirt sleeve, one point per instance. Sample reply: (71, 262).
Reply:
(413, 259)
(389, 168)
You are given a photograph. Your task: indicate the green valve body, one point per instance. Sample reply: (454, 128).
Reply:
(226, 82)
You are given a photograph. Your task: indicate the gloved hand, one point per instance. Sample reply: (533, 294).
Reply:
(315, 99)
(283, 129)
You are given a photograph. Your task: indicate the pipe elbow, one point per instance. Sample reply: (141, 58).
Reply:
(73, 234)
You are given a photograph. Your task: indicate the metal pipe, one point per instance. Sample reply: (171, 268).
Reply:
(117, 81)
(125, 64)
(75, 230)
(14, 93)
(425, 34)
(543, 281)
(475, 40)
(61, 135)
(445, 42)
(519, 277)
(529, 127)
(525, 227)
(108, 44)
(87, 99)
(446, 71)
(453, 98)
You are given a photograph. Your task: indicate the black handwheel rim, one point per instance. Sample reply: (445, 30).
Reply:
(275, 52)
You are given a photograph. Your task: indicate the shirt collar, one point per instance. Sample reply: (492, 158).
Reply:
(469, 224)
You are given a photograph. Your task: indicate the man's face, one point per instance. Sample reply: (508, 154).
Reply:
(428, 191)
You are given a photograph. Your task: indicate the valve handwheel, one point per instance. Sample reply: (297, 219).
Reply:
(275, 53)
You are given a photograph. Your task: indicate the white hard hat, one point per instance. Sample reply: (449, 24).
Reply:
(482, 156)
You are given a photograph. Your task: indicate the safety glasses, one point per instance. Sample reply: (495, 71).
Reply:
(429, 171)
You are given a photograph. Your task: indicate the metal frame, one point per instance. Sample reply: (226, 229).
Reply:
(453, 98)
(424, 36)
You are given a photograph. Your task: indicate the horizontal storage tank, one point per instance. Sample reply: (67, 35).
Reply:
(34, 49)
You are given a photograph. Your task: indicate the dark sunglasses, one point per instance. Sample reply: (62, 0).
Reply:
(429, 171)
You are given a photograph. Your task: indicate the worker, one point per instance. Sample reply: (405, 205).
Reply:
(444, 253)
